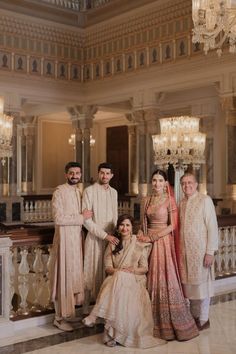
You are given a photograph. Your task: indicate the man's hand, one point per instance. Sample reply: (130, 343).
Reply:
(87, 214)
(208, 260)
(112, 239)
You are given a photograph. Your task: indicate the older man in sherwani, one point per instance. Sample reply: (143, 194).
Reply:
(198, 242)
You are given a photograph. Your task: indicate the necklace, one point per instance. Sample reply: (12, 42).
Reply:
(158, 199)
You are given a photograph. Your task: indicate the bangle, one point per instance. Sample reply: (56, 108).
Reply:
(151, 238)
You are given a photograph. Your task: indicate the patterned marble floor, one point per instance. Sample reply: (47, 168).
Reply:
(219, 339)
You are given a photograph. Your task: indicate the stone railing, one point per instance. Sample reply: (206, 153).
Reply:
(225, 260)
(29, 288)
(30, 259)
(37, 208)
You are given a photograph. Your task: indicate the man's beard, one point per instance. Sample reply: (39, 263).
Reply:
(72, 182)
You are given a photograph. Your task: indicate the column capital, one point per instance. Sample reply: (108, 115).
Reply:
(28, 123)
(82, 115)
(228, 104)
(147, 99)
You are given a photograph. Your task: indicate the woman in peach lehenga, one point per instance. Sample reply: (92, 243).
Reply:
(123, 300)
(172, 318)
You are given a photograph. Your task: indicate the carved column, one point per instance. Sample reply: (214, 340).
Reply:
(133, 157)
(13, 159)
(152, 127)
(138, 117)
(82, 119)
(145, 114)
(28, 149)
(230, 114)
(206, 173)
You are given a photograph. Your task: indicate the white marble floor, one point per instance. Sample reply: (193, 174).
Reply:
(219, 339)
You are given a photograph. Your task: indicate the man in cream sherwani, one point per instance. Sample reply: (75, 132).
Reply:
(67, 281)
(198, 242)
(101, 198)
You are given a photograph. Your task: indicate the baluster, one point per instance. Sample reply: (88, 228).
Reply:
(12, 280)
(26, 212)
(230, 250)
(23, 282)
(226, 251)
(44, 210)
(218, 258)
(49, 304)
(233, 230)
(31, 211)
(49, 210)
(36, 211)
(37, 280)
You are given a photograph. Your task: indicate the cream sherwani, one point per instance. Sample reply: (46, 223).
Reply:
(198, 236)
(67, 283)
(103, 203)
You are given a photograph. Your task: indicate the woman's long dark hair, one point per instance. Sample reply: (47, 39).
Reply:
(121, 218)
(160, 172)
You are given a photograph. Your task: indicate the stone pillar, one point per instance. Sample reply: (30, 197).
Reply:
(220, 152)
(82, 119)
(86, 157)
(6, 326)
(152, 128)
(206, 173)
(28, 151)
(230, 106)
(13, 159)
(78, 145)
(133, 157)
(1, 179)
(138, 117)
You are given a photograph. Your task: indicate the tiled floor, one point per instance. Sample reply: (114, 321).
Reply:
(219, 339)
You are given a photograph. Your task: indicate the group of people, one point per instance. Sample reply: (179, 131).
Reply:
(150, 287)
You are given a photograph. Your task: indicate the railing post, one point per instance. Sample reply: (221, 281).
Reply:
(6, 326)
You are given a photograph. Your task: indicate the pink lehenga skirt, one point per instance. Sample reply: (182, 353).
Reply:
(172, 317)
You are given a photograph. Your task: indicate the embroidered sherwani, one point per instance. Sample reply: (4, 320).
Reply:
(67, 283)
(103, 203)
(198, 236)
(123, 300)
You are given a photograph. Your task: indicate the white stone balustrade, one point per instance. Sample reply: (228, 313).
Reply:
(41, 211)
(37, 211)
(32, 290)
(30, 266)
(124, 207)
(225, 260)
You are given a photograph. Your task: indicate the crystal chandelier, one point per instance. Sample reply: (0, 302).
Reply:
(6, 124)
(71, 140)
(180, 143)
(214, 24)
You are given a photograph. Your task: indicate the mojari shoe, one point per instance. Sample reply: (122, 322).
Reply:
(205, 325)
(86, 322)
(63, 325)
(111, 343)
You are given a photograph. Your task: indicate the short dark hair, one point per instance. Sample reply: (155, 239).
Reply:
(105, 165)
(72, 164)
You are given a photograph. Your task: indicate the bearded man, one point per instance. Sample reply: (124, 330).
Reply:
(67, 280)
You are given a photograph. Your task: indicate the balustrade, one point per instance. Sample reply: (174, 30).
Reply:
(39, 210)
(30, 263)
